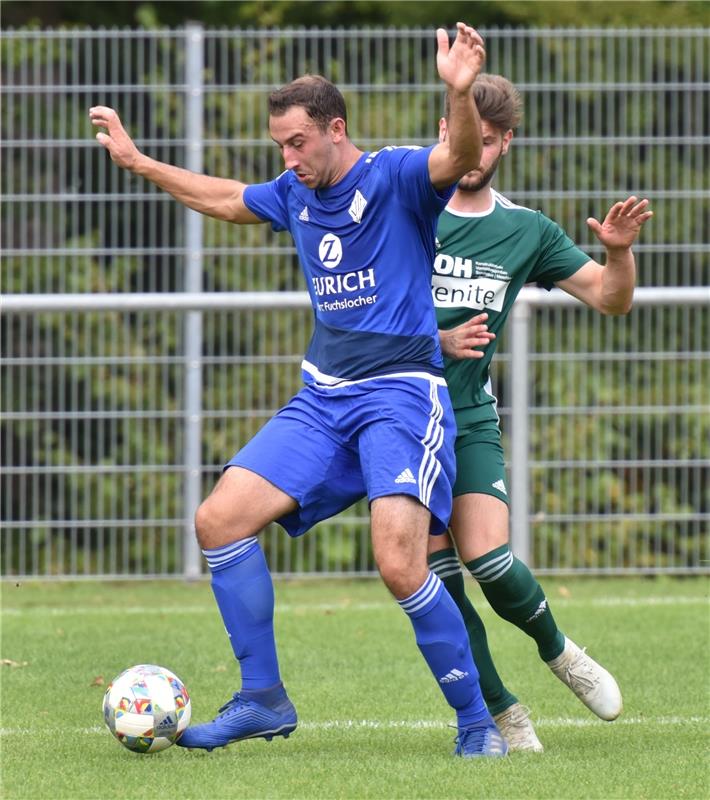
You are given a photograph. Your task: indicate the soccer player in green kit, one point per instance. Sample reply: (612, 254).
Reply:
(488, 248)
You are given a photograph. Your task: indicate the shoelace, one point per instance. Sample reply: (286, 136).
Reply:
(580, 674)
(519, 717)
(230, 704)
(475, 737)
(517, 730)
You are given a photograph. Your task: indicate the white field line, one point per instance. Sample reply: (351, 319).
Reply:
(306, 608)
(416, 724)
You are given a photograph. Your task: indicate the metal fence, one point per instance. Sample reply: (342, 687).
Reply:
(104, 457)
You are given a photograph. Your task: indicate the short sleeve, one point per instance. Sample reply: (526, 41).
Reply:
(407, 170)
(558, 258)
(269, 201)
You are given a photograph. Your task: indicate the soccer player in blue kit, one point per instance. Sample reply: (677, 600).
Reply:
(374, 417)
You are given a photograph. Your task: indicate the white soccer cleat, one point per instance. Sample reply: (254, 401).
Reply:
(515, 725)
(594, 686)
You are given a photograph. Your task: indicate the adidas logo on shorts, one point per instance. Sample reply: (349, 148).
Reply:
(405, 476)
(500, 486)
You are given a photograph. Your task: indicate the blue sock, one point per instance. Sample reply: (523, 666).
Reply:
(442, 638)
(242, 587)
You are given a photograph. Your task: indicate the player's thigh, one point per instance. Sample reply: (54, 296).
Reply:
(301, 452)
(479, 524)
(480, 460)
(406, 447)
(479, 519)
(240, 505)
(400, 528)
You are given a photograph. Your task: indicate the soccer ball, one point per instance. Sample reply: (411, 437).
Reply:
(146, 708)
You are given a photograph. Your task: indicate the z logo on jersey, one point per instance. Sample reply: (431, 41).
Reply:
(330, 251)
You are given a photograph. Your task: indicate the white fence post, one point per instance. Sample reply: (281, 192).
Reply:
(519, 431)
(194, 43)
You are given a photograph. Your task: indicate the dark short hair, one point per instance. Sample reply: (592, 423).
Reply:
(498, 102)
(317, 95)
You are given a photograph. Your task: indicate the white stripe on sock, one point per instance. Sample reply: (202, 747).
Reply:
(218, 556)
(444, 573)
(494, 569)
(422, 596)
(446, 567)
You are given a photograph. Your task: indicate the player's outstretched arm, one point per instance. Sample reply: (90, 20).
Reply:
(609, 288)
(216, 197)
(458, 342)
(458, 67)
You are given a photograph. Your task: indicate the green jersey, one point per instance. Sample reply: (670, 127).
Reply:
(482, 261)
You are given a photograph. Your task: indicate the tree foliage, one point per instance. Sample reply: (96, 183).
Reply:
(352, 13)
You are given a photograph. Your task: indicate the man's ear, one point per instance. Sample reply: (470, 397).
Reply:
(442, 130)
(338, 129)
(507, 137)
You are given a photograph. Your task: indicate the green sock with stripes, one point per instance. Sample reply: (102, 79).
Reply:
(515, 595)
(446, 565)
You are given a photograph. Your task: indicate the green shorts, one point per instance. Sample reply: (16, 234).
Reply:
(480, 463)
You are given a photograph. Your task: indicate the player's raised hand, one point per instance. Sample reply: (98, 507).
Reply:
(118, 143)
(459, 342)
(460, 63)
(622, 223)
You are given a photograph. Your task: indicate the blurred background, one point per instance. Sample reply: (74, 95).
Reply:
(117, 416)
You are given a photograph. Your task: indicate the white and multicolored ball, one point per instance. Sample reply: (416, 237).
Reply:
(147, 708)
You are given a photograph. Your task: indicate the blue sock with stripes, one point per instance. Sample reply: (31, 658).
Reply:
(242, 587)
(515, 595)
(442, 638)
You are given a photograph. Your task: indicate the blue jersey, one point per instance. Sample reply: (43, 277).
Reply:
(366, 247)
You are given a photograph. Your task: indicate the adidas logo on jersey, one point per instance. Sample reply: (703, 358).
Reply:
(357, 207)
(303, 216)
(453, 676)
(500, 486)
(405, 476)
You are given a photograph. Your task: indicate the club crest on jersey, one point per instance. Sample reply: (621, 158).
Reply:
(330, 251)
(357, 207)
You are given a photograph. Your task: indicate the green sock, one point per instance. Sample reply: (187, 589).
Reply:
(515, 595)
(446, 565)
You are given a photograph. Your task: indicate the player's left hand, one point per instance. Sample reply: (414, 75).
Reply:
(622, 223)
(460, 64)
(459, 342)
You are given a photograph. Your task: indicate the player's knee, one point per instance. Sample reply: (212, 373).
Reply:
(214, 527)
(204, 521)
(400, 576)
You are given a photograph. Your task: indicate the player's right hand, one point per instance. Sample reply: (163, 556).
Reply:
(458, 342)
(118, 143)
(459, 64)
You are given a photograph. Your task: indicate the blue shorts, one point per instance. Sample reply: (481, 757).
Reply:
(330, 446)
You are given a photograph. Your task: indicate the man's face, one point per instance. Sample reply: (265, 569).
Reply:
(495, 146)
(307, 150)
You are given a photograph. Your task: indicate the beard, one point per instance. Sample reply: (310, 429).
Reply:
(475, 181)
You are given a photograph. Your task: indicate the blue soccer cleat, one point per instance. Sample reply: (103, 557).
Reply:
(244, 718)
(480, 741)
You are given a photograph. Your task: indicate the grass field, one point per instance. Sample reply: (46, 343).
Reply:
(372, 722)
